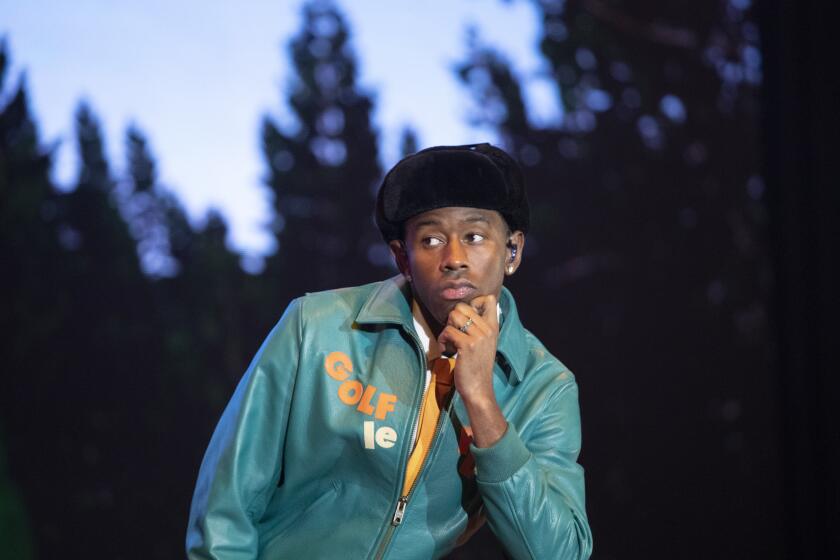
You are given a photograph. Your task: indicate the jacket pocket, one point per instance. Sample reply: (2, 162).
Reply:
(321, 500)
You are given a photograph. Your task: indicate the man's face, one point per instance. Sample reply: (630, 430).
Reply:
(455, 254)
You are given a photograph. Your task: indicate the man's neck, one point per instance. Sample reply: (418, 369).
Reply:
(430, 327)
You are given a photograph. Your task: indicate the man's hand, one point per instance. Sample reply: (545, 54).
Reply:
(476, 346)
(473, 331)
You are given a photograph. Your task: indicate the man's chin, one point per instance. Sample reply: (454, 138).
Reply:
(440, 309)
(446, 308)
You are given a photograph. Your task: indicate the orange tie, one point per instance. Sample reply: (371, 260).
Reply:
(439, 389)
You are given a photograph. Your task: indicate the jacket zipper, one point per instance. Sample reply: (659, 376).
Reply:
(402, 502)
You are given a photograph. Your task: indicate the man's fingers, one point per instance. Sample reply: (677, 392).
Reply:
(450, 335)
(486, 306)
(463, 315)
(466, 309)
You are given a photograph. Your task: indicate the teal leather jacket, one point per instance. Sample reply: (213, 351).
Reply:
(308, 458)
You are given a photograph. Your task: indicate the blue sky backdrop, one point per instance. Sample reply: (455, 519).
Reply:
(198, 75)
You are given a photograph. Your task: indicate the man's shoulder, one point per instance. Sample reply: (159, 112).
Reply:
(347, 293)
(346, 301)
(542, 363)
(531, 361)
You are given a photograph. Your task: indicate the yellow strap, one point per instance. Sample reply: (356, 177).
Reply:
(427, 422)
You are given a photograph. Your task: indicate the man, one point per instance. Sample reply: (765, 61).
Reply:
(390, 420)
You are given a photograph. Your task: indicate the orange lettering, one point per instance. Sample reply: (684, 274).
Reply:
(338, 365)
(365, 406)
(385, 404)
(350, 392)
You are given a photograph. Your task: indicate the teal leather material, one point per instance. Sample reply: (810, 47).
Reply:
(308, 458)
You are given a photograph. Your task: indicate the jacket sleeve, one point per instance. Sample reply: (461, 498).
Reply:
(534, 492)
(242, 463)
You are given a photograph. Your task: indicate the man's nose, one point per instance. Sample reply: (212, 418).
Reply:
(454, 256)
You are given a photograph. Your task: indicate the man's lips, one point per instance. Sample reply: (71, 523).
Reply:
(457, 290)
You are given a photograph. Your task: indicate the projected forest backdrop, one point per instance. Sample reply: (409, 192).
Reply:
(648, 272)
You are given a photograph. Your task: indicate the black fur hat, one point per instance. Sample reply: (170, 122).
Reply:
(475, 176)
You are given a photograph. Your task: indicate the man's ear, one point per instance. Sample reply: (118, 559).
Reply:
(515, 247)
(400, 254)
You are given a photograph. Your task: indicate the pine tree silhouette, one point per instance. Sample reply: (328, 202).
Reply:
(323, 170)
(409, 143)
(27, 320)
(146, 206)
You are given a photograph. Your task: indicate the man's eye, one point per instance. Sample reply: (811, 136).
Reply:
(474, 237)
(432, 242)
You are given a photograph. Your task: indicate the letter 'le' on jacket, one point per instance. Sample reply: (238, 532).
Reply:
(309, 456)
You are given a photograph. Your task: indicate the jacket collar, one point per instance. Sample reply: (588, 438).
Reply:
(390, 302)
